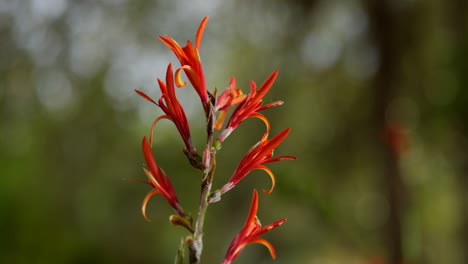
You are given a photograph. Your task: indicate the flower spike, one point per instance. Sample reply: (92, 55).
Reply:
(215, 105)
(251, 106)
(259, 154)
(190, 62)
(250, 232)
(158, 179)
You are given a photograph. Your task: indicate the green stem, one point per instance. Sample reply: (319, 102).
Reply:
(196, 245)
(209, 162)
(180, 253)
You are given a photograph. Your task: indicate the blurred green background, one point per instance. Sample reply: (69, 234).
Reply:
(71, 128)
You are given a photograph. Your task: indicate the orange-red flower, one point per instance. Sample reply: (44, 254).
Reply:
(259, 154)
(231, 96)
(251, 106)
(173, 110)
(158, 179)
(250, 233)
(191, 64)
(396, 138)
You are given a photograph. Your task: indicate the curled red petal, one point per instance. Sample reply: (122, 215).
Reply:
(154, 125)
(267, 123)
(272, 177)
(178, 78)
(148, 196)
(266, 243)
(194, 76)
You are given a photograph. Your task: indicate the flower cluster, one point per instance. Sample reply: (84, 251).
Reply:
(217, 108)
(250, 233)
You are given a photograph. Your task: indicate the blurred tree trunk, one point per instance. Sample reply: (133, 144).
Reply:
(458, 15)
(384, 33)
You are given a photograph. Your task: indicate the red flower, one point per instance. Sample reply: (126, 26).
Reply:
(250, 233)
(173, 110)
(231, 96)
(259, 154)
(160, 182)
(251, 106)
(396, 138)
(191, 64)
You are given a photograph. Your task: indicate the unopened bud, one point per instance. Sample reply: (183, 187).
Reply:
(176, 220)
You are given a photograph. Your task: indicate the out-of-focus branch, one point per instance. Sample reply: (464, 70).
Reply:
(384, 33)
(458, 14)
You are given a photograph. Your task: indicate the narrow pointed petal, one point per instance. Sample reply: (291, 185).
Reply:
(148, 196)
(175, 47)
(233, 83)
(170, 84)
(253, 88)
(200, 31)
(265, 87)
(138, 181)
(274, 142)
(153, 167)
(270, 105)
(142, 94)
(281, 158)
(270, 227)
(253, 208)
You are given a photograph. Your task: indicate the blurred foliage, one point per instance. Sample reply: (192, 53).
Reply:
(71, 128)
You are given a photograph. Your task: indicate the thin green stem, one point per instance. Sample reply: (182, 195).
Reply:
(209, 162)
(180, 253)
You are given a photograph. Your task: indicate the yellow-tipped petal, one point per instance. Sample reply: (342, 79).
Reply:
(272, 177)
(148, 196)
(266, 244)
(220, 120)
(189, 71)
(178, 78)
(153, 125)
(267, 124)
(151, 179)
